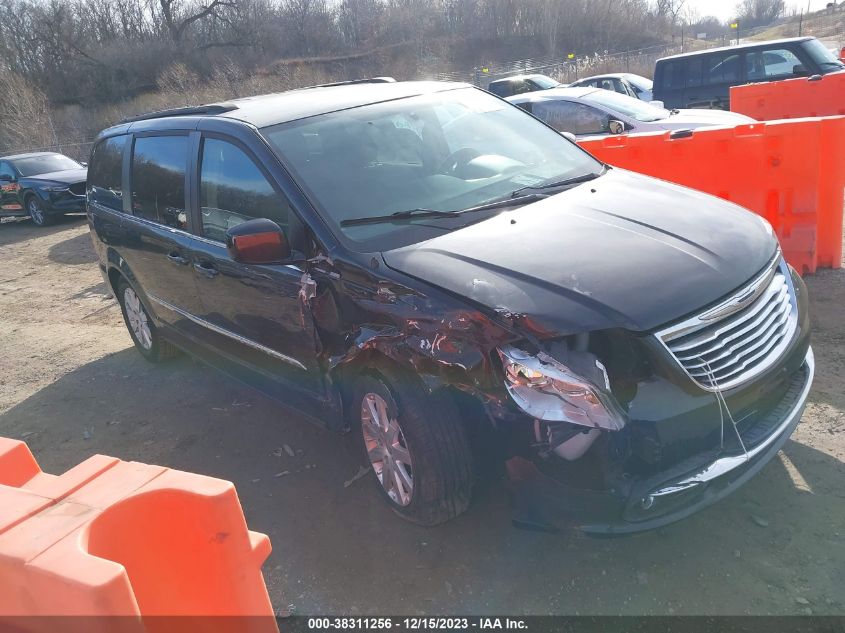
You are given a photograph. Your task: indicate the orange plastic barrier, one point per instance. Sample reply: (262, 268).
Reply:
(791, 98)
(114, 538)
(790, 172)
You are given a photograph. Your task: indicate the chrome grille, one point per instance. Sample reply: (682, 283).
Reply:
(742, 336)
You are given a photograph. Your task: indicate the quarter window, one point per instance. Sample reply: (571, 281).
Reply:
(6, 170)
(105, 173)
(566, 116)
(672, 77)
(233, 190)
(158, 179)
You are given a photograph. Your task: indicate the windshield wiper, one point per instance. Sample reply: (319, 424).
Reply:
(568, 182)
(400, 215)
(510, 201)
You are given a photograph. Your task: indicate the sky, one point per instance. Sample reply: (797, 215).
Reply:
(725, 9)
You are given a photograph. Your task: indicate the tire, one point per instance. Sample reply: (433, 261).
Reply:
(435, 442)
(36, 212)
(143, 331)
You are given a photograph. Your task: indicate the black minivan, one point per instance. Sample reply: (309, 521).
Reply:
(459, 284)
(702, 79)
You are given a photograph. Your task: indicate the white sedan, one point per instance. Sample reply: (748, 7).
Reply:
(593, 111)
(623, 83)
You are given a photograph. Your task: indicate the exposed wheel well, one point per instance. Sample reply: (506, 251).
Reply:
(370, 361)
(114, 278)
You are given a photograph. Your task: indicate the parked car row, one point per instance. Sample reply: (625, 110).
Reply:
(699, 80)
(451, 278)
(593, 111)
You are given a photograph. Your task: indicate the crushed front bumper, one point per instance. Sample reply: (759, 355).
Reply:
(643, 504)
(64, 202)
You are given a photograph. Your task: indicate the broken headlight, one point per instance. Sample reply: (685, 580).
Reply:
(546, 389)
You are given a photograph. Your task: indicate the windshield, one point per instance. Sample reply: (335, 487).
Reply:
(629, 106)
(544, 82)
(640, 82)
(44, 164)
(822, 56)
(446, 151)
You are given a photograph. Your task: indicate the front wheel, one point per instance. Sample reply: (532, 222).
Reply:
(141, 328)
(417, 446)
(36, 212)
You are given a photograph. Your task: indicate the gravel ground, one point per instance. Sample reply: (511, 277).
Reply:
(71, 385)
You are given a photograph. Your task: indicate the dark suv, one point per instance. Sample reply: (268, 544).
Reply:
(42, 185)
(703, 79)
(460, 284)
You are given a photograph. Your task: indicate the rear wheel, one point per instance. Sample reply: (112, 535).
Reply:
(141, 328)
(417, 447)
(36, 212)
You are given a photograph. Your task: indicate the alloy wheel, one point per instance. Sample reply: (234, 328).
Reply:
(387, 449)
(36, 212)
(137, 317)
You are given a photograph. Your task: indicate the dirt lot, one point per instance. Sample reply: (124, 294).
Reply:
(71, 386)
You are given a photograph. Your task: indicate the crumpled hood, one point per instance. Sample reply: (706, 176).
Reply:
(66, 176)
(700, 118)
(637, 254)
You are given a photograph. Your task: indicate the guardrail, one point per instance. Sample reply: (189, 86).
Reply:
(790, 172)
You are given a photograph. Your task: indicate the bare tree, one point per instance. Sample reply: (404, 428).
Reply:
(759, 12)
(179, 15)
(25, 117)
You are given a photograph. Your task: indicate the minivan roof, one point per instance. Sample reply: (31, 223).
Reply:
(707, 51)
(283, 107)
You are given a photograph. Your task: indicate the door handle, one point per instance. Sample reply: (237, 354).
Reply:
(207, 269)
(176, 258)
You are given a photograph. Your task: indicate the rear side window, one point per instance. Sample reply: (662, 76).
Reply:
(567, 116)
(518, 86)
(105, 173)
(233, 190)
(673, 77)
(606, 84)
(694, 66)
(722, 69)
(499, 88)
(158, 179)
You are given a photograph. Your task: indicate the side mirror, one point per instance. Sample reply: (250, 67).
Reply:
(258, 241)
(615, 127)
(657, 104)
(800, 70)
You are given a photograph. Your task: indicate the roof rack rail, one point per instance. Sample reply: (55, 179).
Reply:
(214, 108)
(351, 82)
